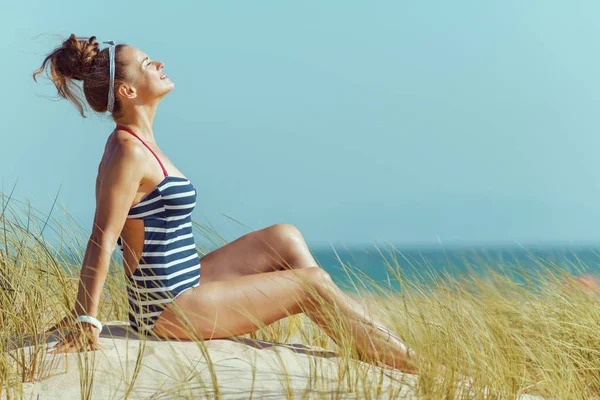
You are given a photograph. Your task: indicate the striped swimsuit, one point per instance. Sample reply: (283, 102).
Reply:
(169, 264)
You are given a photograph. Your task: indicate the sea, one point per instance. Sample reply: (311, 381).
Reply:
(389, 265)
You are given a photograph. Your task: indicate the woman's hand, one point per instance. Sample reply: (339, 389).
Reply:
(82, 336)
(66, 322)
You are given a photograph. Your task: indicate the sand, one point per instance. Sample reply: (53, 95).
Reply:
(173, 369)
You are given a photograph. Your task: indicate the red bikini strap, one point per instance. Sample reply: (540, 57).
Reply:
(124, 128)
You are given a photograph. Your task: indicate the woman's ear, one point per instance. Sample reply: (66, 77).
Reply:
(127, 91)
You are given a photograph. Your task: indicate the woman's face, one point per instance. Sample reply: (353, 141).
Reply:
(148, 80)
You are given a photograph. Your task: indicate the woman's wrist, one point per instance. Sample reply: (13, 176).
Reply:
(90, 320)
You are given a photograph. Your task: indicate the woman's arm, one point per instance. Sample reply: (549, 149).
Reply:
(93, 274)
(117, 184)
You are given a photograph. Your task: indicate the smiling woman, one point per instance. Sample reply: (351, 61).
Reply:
(81, 60)
(145, 203)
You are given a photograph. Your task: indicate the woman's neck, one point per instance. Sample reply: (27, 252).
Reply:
(140, 120)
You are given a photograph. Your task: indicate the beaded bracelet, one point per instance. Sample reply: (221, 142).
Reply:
(91, 320)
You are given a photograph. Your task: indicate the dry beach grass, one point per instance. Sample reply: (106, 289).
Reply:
(539, 336)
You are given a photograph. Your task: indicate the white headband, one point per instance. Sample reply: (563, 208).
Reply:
(111, 88)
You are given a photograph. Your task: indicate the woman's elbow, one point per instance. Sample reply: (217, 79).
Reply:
(103, 242)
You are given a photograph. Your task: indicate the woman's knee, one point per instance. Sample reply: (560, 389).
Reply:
(290, 244)
(287, 233)
(319, 281)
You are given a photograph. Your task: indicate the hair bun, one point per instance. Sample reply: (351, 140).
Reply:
(76, 57)
(80, 59)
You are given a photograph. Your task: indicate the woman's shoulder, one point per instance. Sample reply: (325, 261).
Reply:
(122, 144)
(121, 152)
(122, 138)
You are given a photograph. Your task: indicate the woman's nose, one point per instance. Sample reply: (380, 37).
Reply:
(161, 65)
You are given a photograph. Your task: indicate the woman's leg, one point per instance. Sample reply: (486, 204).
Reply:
(275, 248)
(241, 305)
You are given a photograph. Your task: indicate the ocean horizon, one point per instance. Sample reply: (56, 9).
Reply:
(425, 264)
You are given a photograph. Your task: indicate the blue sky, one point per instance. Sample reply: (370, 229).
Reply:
(359, 122)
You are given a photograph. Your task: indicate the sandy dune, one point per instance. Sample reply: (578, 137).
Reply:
(171, 369)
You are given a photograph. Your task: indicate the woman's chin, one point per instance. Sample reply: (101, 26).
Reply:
(169, 84)
(166, 91)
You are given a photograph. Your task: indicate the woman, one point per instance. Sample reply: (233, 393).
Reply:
(144, 203)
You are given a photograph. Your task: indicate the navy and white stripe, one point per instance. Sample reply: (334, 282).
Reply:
(169, 263)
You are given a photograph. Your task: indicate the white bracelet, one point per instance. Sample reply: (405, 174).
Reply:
(91, 320)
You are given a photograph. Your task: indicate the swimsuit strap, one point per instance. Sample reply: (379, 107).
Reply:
(124, 128)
